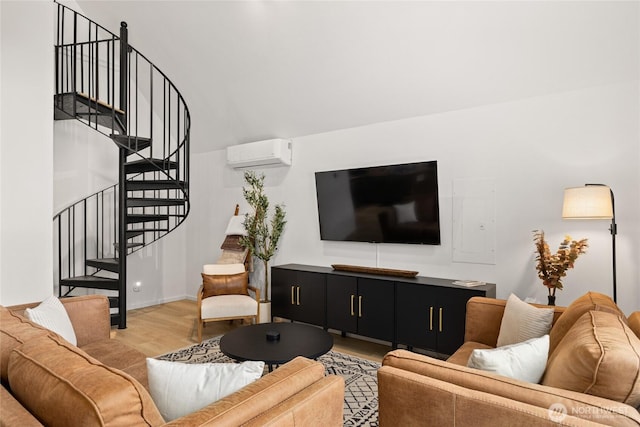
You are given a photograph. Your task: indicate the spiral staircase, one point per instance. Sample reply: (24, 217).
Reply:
(103, 82)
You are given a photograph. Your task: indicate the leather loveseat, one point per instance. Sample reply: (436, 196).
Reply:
(596, 361)
(102, 382)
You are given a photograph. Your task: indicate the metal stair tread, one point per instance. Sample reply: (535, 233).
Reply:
(109, 264)
(99, 102)
(134, 218)
(138, 185)
(150, 165)
(69, 105)
(91, 282)
(137, 202)
(133, 143)
(138, 232)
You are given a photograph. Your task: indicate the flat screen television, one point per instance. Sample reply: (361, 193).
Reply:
(380, 204)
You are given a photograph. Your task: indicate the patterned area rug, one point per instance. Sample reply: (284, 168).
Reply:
(361, 385)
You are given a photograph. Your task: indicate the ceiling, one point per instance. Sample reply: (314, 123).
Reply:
(254, 70)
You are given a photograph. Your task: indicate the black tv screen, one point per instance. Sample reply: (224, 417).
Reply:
(380, 204)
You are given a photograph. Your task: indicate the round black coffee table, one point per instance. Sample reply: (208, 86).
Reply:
(251, 343)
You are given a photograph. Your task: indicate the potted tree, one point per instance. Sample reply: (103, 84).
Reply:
(263, 232)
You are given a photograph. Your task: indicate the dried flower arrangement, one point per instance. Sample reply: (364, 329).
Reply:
(553, 267)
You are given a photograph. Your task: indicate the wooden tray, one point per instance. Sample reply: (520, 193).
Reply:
(374, 270)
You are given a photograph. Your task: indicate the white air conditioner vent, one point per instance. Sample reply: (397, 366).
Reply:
(271, 152)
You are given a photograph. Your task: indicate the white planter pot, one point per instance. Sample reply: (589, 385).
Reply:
(265, 312)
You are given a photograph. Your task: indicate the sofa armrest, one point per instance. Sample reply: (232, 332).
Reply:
(484, 316)
(90, 317)
(407, 398)
(582, 405)
(258, 397)
(321, 404)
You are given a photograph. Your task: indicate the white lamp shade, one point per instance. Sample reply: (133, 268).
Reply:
(588, 202)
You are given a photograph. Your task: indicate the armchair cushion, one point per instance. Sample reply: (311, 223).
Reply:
(232, 284)
(599, 355)
(224, 306)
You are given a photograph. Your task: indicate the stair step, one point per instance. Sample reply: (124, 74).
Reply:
(130, 245)
(137, 202)
(149, 165)
(91, 282)
(154, 185)
(68, 104)
(109, 264)
(135, 233)
(86, 99)
(133, 143)
(135, 218)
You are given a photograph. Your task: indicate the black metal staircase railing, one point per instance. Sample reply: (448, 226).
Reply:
(103, 82)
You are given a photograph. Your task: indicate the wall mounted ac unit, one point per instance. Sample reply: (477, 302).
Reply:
(271, 152)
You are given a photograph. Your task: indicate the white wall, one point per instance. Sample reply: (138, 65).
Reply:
(26, 151)
(532, 149)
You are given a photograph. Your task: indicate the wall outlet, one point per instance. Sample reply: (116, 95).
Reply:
(137, 287)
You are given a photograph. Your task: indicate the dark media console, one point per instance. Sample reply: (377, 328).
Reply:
(422, 312)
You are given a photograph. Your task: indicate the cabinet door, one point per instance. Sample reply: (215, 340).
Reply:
(282, 289)
(375, 309)
(417, 315)
(309, 298)
(451, 321)
(342, 303)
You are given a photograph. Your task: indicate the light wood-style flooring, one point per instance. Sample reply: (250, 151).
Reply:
(168, 327)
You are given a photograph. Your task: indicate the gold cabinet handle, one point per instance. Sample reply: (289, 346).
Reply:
(431, 318)
(360, 306)
(292, 301)
(298, 295)
(440, 315)
(352, 298)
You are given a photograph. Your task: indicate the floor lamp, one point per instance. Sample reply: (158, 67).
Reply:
(593, 201)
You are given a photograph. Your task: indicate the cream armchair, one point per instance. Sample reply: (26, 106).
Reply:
(224, 295)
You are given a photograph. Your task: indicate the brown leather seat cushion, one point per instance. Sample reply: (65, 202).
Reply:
(599, 355)
(117, 355)
(63, 386)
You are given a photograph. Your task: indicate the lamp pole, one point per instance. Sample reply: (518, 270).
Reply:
(613, 228)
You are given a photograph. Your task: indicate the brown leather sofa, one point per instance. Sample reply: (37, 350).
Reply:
(102, 382)
(415, 389)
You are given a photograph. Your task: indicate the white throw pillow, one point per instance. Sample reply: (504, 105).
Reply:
(52, 315)
(522, 321)
(179, 389)
(524, 361)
